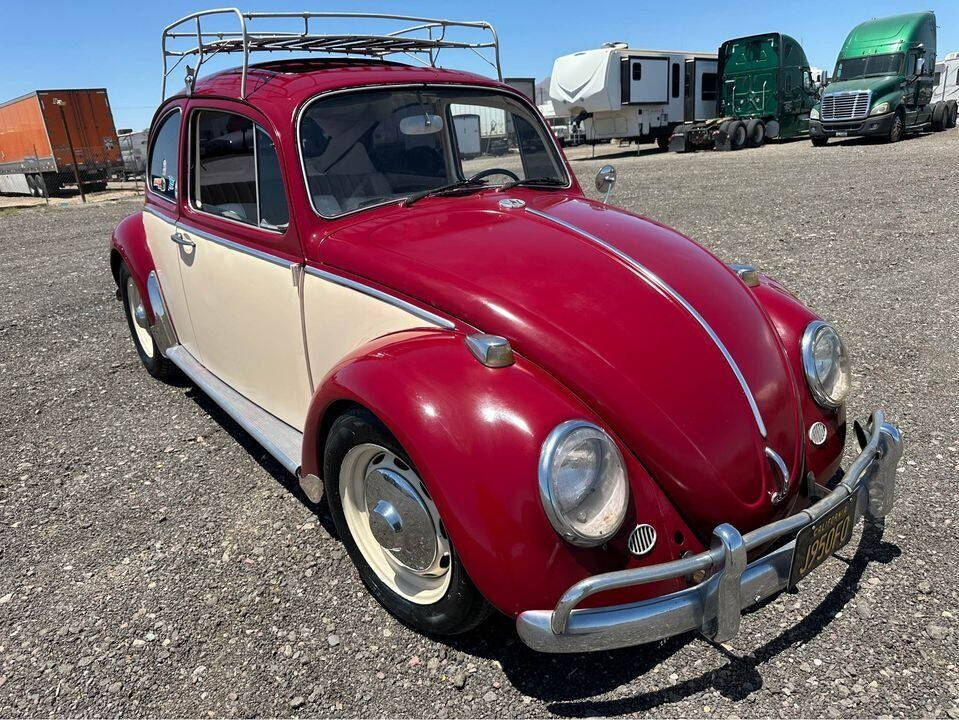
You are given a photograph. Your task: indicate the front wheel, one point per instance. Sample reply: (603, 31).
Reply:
(897, 130)
(392, 530)
(819, 141)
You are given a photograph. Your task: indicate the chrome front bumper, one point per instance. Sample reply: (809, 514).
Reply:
(715, 606)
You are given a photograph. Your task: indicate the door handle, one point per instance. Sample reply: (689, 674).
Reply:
(181, 239)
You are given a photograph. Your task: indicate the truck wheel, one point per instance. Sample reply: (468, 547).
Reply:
(819, 141)
(953, 112)
(737, 135)
(897, 130)
(755, 133)
(939, 115)
(392, 530)
(98, 186)
(663, 142)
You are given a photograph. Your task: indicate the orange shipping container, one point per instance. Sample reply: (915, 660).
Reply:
(34, 149)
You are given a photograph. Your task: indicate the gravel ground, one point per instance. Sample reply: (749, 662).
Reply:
(154, 561)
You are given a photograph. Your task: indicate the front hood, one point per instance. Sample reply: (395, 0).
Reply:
(625, 343)
(879, 85)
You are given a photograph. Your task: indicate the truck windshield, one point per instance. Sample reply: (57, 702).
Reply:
(371, 147)
(852, 68)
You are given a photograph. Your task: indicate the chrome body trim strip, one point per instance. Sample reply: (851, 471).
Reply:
(246, 249)
(276, 437)
(653, 279)
(380, 295)
(713, 606)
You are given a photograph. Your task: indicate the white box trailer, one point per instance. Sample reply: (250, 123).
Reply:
(618, 92)
(947, 79)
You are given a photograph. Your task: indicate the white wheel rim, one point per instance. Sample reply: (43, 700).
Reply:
(423, 587)
(143, 337)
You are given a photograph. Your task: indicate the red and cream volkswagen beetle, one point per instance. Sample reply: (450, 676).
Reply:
(511, 396)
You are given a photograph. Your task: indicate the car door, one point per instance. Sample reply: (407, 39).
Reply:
(242, 272)
(160, 215)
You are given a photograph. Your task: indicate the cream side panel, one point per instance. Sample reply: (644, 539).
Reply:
(166, 258)
(339, 320)
(246, 312)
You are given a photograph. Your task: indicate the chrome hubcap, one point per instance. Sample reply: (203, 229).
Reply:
(140, 322)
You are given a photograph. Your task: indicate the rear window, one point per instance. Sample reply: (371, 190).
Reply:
(165, 155)
(236, 173)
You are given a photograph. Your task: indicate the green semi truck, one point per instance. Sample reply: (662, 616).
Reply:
(767, 92)
(883, 83)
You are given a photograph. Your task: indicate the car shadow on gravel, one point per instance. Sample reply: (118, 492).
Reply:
(567, 682)
(265, 460)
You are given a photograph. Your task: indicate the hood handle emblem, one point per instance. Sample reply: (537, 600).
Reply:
(777, 496)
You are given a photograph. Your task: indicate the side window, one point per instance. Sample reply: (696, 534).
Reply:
(637, 71)
(675, 87)
(236, 173)
(708, 91)
(910, 65)
(165, 155)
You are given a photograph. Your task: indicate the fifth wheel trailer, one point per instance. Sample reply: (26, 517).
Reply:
(618, 92)
(36, 134)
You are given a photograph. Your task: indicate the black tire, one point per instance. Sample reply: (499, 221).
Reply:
(898, 129)
(953, 112)
(462, 607)
(157, 365)
(939, 117)
(663, 142)
(755, 133)
(737, 135)
(819, 141)
(98, 186)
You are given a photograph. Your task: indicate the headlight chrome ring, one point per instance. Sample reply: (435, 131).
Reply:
(583, 483)
(828, 378)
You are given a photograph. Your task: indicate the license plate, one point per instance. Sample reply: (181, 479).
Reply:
(842, 133)
(818, 541)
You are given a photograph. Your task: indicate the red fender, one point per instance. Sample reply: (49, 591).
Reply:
(790, 318)
(129, 245)
(474, 434)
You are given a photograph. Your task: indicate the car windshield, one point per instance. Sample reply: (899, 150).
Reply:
(852, 68)
(371, 147)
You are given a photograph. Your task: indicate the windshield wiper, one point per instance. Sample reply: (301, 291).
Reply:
(443, 189)
(534, 182)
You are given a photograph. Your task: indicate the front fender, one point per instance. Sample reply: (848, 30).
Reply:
(474, 434)
(790, 318)
(129, 245)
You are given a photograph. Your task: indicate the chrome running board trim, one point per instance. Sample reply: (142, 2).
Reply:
(279, 439)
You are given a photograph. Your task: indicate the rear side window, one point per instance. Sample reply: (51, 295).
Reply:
(236, 173)
(675, 80)
(637, 71)
(708, 91)
(164, 156)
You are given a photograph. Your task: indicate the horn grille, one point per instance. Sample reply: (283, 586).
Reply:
(642, 539)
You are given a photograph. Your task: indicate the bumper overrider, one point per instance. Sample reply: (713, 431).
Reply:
(872, 125)
(715, 606)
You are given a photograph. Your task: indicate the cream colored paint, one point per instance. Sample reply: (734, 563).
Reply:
(166, 260)
(339, 320)
(246, 315)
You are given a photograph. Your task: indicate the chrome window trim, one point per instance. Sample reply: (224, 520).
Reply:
(650, 277)
(380, 295)
(176, 191)
(230, 244)
(551, 138)
(194, 112)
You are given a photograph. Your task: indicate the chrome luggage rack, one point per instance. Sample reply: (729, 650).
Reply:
(420, 39)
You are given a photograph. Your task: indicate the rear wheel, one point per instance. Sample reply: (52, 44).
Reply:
(755, 133)
(98, 186)
(392, 530)
(135, 310)
(663, 142)
(819, 141)
(940, 117)
(953, 112)
(897, 129)
(737, 135)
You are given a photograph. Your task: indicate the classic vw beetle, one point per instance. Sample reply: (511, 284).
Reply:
(511, 396)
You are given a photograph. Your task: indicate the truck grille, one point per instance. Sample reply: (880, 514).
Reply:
(846, 105)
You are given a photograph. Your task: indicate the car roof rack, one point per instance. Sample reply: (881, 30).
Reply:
(419, 38)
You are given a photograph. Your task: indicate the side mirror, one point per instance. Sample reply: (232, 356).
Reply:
(605, 179)
(920, 65)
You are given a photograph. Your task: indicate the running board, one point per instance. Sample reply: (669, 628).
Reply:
(279, 439)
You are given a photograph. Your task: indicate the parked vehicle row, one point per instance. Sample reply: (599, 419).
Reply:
(429, 335)
(762, 87)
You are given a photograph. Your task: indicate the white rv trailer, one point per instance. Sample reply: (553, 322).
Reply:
(560, 124)
(947, 79)
(618, 92)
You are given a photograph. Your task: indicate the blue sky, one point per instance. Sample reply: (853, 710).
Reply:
(60, 44)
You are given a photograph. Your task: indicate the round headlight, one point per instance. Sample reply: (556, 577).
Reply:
(814, 113)
(826, 364)
(582, 481)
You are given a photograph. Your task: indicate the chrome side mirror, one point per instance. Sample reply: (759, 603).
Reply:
(605, 179)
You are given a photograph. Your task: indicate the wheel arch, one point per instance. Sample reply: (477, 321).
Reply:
(128, 245)
(474, 435)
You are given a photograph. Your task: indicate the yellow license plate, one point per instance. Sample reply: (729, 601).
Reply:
(818, 541)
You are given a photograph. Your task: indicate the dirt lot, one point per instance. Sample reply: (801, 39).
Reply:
(154, 561)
